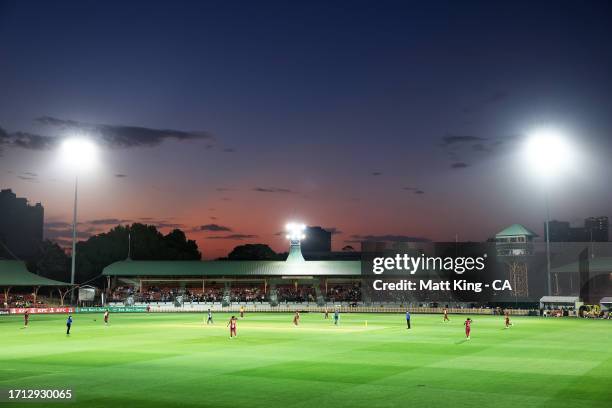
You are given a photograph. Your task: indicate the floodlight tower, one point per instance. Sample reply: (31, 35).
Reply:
(549, 154)
(295, 234)
(78, 154)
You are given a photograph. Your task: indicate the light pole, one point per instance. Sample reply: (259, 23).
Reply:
(549, 155)
(79, 154)
(547, 233)
(74, 237)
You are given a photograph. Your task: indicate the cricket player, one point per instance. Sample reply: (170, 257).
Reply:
(407, 319)
(507, 319)
(296, 318)
(68, 325)
(446, 319)
(209, 320)
(106, 315)
(232, 326)
(468, 328)
(336, 316)
(26, 318)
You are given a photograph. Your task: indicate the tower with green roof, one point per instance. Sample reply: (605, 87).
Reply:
(514, 245)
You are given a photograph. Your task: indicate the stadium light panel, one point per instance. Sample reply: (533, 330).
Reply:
(548, 152)
(295, 231)
(79, 154)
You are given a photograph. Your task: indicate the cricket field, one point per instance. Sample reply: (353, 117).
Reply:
(367, 361)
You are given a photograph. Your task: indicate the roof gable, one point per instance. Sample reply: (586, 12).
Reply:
(516, 230)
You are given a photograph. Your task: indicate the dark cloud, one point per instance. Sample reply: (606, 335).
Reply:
(333, 230)
(108, 221)
(229, 150)
(120, 175)
(222, 189)
(64, 233)
(212, 218)
(160, 223)
(376, 173)
(459, 165)
(115, 136)
(479, 147)
(237, 237)
(121, 136)
(450, 139)
(215, 228)
(26, 140)
(273, 190)
(387, 238)
(57, 224)
(27, 178)
(414, 190)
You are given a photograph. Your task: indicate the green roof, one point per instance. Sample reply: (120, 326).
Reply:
(15, 273)
(514, 230)
(233, 268)
(597, 266)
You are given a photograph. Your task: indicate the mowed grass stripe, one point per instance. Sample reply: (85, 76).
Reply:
(175, 360)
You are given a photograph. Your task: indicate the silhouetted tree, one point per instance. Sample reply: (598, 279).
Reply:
(147, 243)
(252, 252)
(51, 261)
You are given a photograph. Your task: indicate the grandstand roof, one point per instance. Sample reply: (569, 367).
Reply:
(233, 268)
(597, 266)
(14, 273)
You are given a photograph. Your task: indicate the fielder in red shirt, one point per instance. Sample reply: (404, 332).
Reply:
(232, 326)
(468, 324)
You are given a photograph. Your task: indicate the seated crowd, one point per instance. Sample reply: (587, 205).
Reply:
(22, 300)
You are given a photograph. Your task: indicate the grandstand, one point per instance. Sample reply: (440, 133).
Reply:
(226, 282)
(20, 287)
(214, 284)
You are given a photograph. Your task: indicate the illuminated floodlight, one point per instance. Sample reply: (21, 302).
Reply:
(295, 231)
(79, 153)
(548, 152)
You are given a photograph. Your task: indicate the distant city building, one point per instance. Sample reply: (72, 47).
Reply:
(21, 226)
(317, 241)
(595, 229)
(559, 231)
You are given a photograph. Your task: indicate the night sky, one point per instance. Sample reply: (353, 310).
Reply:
(378, 119)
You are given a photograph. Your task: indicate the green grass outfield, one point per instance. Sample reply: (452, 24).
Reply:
(164, 360)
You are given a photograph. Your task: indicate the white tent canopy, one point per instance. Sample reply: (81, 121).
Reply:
(555, 301)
